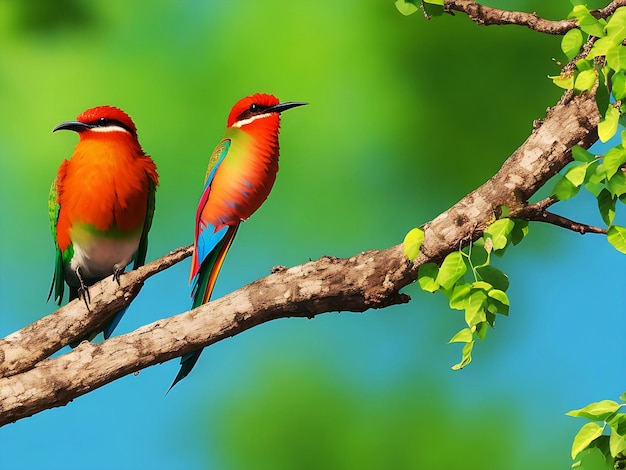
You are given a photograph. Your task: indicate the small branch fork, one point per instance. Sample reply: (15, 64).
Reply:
(537, 212)
(487, 16)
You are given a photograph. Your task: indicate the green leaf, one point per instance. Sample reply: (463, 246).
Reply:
(622, 397)
(482, 285)
(597, 411)
(463, 336)
(600, 48)
(585, 436)
(412, 243)
(493, 276)
(616, 26)
(582, 155)
(587, 22)
(475, 312)
(406, 7)
(563, 81)
(564, 189)
(499, 295)
(603, 98)
(498, 302)
(597, 456)
(585, 80)
(618, 423)
(433, 7)
(606, 206)
(576, 174)
(451, 270)
(616, 236)
(460, 296)
(481, 330)
(427, 277)
(499, 232)
(616, 58)
(617, 444)
(467, 356)
(617, 184)
(584, 64)
(596, 174)
(613, 159)
(618, 85)
(607, 127)
(591, 170)
(594, 188)
(571, 43)
(519, 231)
(496, 307)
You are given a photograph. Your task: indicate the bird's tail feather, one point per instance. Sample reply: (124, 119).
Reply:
(202, 290)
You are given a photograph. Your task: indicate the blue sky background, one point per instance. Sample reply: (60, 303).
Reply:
(406, 117)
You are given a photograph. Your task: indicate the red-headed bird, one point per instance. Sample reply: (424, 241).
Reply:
(242, 170)
(101, 205)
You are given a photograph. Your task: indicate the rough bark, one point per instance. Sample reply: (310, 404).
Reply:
(487, 16)
(32, 382)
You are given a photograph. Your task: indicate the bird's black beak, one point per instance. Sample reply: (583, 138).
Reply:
(279, 108)
(72, 126)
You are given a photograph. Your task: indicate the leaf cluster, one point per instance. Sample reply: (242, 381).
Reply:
(602, 176)
(605, 61)
(604, 434)
(469, 281)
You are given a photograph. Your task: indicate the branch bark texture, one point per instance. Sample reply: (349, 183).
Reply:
(487, 16)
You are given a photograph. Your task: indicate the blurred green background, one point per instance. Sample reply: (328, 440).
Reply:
(406, 116)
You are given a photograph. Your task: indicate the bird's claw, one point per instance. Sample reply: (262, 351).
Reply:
(116, 274)
(83, 290)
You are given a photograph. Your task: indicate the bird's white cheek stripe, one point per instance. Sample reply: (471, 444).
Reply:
(109, 129)
(244, 122)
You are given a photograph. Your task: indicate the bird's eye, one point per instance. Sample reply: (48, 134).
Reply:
(254, 107)
(102, 121)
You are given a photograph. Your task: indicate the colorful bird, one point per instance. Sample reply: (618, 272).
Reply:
(101, 205)
(242, 170)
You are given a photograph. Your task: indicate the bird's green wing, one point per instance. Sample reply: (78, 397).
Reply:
(140, 256)
(58, 279)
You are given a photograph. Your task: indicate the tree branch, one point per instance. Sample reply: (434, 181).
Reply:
(371, 279)
(487, 16)
(537, 212)
(23, 349)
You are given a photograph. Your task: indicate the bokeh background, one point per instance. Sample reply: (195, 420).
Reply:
(406, 117)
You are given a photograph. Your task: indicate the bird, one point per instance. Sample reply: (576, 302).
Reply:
(240, 175)
(101, 204)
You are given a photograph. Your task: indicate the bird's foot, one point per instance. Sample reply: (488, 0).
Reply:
(117, 273)
(83, 290)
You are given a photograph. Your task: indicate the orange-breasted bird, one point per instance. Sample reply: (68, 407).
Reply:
(241, 172)
(101, 205)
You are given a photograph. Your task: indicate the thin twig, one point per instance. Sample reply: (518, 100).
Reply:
(487, 16)
(537, 212)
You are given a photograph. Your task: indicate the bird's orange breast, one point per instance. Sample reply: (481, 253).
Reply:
(242, 182)
(105, 187)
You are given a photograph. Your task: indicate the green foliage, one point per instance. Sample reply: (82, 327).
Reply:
(412, 243)
(609, 33)
(431, 7)
(406, 7)
(571, 43)
(400, 425)
(605, 435)
(602, 176)
(483, 296)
